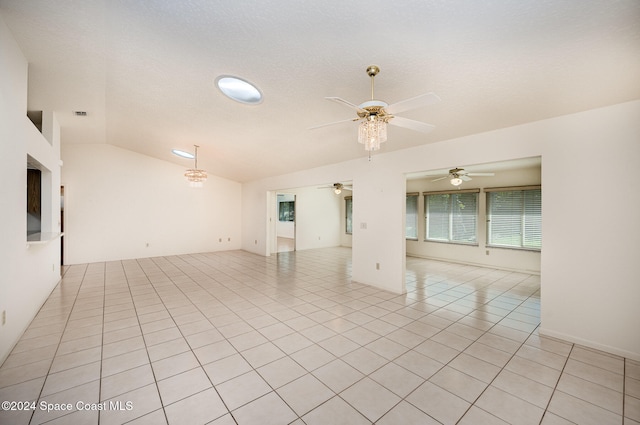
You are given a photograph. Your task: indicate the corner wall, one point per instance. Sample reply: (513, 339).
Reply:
(591, 228)
(28, 272)
(120, 205)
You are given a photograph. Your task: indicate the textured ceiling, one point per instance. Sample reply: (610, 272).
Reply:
(144, 71)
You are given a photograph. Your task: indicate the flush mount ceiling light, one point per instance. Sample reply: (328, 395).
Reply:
(183, 154)
(239, 90)
(194, 176)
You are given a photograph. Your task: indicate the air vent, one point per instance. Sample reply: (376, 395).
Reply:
(80, 113)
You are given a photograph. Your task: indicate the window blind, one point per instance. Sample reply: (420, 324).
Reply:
(348, 207)
(411, 216)
(515, 218)
(452, 217)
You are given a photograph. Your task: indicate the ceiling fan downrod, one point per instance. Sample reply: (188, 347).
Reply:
(372, 71)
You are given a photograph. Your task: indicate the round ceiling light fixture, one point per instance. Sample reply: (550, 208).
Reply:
(239, 90)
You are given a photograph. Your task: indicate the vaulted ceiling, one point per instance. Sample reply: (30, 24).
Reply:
(144, 71)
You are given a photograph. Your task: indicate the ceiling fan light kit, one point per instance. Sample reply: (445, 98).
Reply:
(337, 188)
(458, 175)
(374, 115)
(372, 132)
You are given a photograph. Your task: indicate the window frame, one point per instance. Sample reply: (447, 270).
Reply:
(522, 246)
(415, 195)
(348, 215)
(451, 223)
(286, 211)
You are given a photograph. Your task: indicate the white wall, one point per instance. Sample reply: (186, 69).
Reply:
(508, 259)
(590, 286)
(591, 229)
(118, 201)
(28, 273)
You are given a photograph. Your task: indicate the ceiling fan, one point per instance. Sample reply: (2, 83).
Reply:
(458, 175)
(374, 115)
(337, 187)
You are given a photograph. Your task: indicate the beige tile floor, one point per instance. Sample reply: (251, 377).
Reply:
(285, 244)
(235, 338)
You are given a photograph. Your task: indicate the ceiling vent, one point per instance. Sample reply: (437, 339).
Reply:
(80, 113)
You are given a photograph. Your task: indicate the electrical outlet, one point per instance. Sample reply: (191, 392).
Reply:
(377, 266)
(220, 240)
(147, 244)
(4, 317)
(487, 252)
(228, 239)
(256, 242)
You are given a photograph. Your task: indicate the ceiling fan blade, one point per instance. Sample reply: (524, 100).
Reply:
(439, 178)
(347, 104)
(465, 177)
(332, 123)
(413, 103)
(481, 174)
(422, 127)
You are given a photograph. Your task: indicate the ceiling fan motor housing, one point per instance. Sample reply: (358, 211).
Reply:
(374, 108)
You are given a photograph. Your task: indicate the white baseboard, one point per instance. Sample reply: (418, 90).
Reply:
(590, 344)
(468, 263)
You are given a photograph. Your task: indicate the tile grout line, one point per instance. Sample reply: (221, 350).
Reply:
(624, 386)
(240, 354)
(61, 335)
(497, 374)
(104, 307)
(308, 372)
(183, 336)
(546, 409)
(155, 380)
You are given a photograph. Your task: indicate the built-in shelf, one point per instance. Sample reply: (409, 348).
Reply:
(42, 238)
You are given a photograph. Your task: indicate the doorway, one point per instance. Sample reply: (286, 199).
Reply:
(286, 222)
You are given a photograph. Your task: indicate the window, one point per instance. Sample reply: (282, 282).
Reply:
(452, 216)
(514, 218)
(411, 229)
(348, 207)
(286, 211)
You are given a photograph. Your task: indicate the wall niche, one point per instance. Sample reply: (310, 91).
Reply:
(34, 201)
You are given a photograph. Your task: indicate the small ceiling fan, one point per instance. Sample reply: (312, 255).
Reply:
(337, 187)
(374, 115)
(458, 175)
